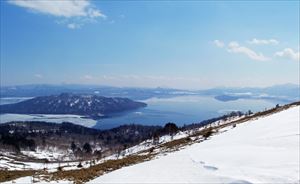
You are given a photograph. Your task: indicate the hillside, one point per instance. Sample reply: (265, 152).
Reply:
(252, 148)
(265, 150)
(66, 103)
(38, 141)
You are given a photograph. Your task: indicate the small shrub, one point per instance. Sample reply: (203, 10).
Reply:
(170, 128)
(151, 150)
(59, 168)
(207, 133)
(87, 148)
(79, 165)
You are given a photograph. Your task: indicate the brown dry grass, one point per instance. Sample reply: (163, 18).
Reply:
(86, 174)
(11, 175)
(176, 143)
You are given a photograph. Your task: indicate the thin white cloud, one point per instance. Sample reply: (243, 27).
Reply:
(65, 8)
(289, 53)
(88, 77)
(38, 76)
(74, 26)
(218, 43)
(255, 41)
(234, 47)
(75, 10)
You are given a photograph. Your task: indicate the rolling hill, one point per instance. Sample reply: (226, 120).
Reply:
(93, 106)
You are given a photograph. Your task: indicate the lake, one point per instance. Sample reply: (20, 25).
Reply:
(180, 110)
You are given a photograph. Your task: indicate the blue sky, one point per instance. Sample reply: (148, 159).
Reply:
(192, 45)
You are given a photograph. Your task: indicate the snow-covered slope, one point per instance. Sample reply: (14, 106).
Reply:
(259, 151)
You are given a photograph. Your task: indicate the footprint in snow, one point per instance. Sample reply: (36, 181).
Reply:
(208, 167)
(211, 168)
(201, 162)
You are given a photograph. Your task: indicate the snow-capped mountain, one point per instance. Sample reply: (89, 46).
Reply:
(66, 103)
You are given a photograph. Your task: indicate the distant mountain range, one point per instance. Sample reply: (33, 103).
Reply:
(107, 91)
(285, 92)
(93, 106)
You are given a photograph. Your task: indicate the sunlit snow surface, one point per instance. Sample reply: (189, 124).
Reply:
(30, 179)
(259, 151)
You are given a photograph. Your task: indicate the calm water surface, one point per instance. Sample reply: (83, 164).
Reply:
(182, 110)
